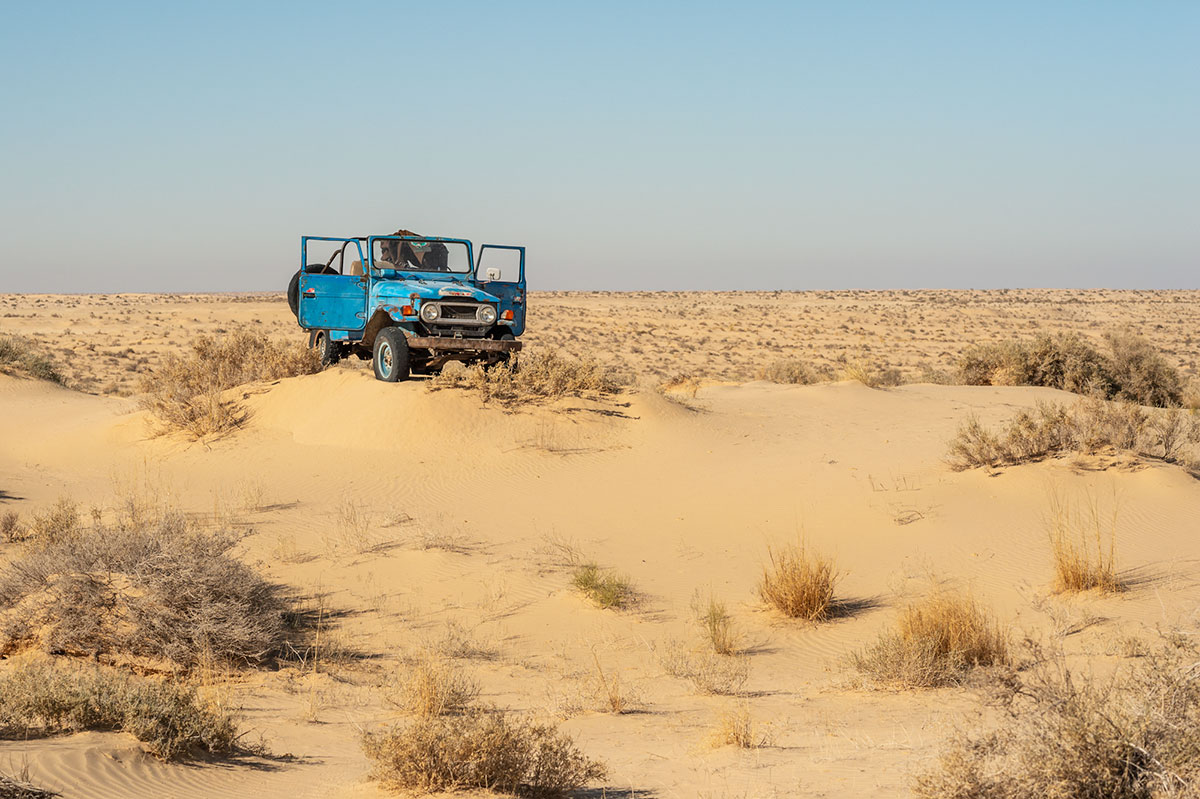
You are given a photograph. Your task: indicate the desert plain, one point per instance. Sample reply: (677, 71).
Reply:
(417, 521)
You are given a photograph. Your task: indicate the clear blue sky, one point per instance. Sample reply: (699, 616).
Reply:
(164, 146)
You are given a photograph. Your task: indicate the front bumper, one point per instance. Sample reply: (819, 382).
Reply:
(463, 344)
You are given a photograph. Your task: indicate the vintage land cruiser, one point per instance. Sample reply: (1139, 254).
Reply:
(409, 303)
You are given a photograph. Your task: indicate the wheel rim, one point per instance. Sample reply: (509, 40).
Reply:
(385, 360)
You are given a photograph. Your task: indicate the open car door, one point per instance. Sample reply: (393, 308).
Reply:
(331, 297)
(500, 270)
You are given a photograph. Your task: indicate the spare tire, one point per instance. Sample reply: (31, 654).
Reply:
(293, 290)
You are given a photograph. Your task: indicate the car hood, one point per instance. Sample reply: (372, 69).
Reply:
(418, 288)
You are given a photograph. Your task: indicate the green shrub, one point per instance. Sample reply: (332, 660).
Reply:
(606, 589)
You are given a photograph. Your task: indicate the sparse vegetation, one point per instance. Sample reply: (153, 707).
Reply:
(935, 642)
(433, 686)
(795, 371)
(169, 718)
(798, 583)
(1082, 560)
(187, 393)
(738, 728)
(480, 749)
(20, 788)
(708, 672)
(1090, 426)
(715, 624)
(1131, 370)
(160, 588)
(23, 357)
(1070, 735)
(605, 588)
(871, 374)
(538, 376)
(11, 529)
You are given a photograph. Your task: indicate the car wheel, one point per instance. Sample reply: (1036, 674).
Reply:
(390, 359)
(330, 352)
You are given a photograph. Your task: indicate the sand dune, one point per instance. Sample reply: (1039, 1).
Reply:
(426, 514)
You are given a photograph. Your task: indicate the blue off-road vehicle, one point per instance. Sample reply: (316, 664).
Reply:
(409, 303)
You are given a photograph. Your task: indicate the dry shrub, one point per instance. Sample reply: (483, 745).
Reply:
(11, 529)
(737, 728)
(1131, 370)
(169, 718)
(1070, 736)
(715, 624)
(20, 788)
(871, 374)
(798, 583)
(22, 356)
(1082, 562)
(609, 695)
(1091, 425)
(793, 371)
(434, 686)
(708, 672)
(160, 588)
(58, 523)
(187, 393)
(936, 641)
(605, 588)
(539, 376)
(479, 749)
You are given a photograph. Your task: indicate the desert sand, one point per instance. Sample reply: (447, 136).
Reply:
(423, 516)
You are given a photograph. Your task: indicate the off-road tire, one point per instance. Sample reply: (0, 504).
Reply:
(330, 352)
(390, 359)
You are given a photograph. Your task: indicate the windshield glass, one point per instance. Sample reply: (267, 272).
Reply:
(422, 255)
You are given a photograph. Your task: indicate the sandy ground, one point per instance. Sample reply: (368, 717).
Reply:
(422, 516)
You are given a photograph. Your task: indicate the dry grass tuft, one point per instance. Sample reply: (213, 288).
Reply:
(936, 641)
(871, 374)
(187, 393)
(169, 718)
(794, 371)
(541, 376)
(434, 686)
(1082, 561)
(715, 624)
(798, 583)
(606, 589)
(21, 356)
(479, 749)
(708, 672)
(737, 728)
(1131, 370)
(1091, 425)
(159, 588)
(20, 788)
(1062, 734)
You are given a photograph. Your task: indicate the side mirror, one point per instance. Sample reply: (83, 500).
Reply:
(493, 274)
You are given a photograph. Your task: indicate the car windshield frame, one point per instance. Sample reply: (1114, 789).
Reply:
(406, 267)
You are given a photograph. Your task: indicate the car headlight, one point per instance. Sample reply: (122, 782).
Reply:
(486, 314)
(430, 311)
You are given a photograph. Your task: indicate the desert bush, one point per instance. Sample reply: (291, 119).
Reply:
(798, 583)
(605, 588)
(794, 371)
(935, 641)
(161, 588)
(1091, 425)
(18, 354)
(737, 728)
(187, 393)
(20, 788)
(538, 376)
(708, 672)
(871, 374)
(1077, 535)
(169, 718)
(1063, 734)
(11, 529)
(715, 624)
(481, 748)
(58, 523)
(433, 686)
(1130, 370)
